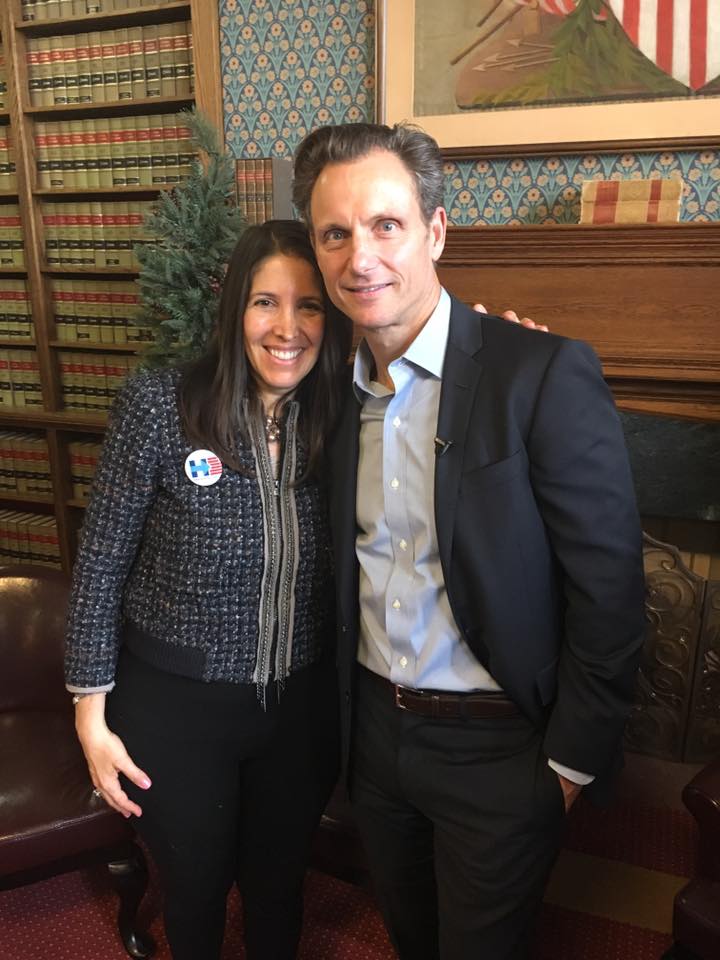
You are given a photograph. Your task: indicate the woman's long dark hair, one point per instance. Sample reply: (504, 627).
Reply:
(215, 385)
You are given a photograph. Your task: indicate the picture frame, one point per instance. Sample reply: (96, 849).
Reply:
(666, 123)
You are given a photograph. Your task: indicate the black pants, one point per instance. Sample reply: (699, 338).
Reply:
(461, 820)
(237, 792)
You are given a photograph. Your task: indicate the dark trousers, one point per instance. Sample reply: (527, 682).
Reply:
(461, 821)
(237, 792)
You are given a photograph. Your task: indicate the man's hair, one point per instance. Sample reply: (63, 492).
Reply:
(347, 142)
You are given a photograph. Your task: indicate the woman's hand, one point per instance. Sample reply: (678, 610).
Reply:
(106, 755)
(514, 318)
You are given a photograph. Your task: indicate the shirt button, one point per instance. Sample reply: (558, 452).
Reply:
(394, 483)
(396, 604)
(397, 421)
(403, 544)
(403, 662)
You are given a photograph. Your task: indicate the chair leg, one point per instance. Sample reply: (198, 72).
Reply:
(129, 877)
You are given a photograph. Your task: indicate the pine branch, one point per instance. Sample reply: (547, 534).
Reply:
(191, 233)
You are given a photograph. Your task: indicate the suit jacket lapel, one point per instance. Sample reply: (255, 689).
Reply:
(343, 491)
(461, 375)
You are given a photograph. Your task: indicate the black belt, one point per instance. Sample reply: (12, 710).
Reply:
(441, 704)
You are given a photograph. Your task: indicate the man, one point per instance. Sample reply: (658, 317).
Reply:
(488, 563)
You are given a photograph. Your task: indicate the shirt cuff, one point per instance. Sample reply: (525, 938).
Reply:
(582, 779)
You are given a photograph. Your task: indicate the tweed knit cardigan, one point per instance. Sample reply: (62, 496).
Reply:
(229, 582)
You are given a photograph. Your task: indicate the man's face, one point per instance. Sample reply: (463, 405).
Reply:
(376, 253)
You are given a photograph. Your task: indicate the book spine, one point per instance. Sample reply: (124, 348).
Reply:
(151, 53)
(109, 64)
(166, 56)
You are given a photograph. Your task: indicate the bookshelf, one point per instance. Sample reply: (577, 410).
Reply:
(90, 91)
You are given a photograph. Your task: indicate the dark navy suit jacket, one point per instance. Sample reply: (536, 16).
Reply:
(538, 533)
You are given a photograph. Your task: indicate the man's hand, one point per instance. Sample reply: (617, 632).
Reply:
(514, 318)
(571, 791)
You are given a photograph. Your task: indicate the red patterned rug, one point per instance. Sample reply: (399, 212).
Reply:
(641, 853)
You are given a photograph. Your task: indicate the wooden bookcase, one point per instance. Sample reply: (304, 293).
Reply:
(50, 419)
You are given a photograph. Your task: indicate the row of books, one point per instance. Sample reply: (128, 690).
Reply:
(59, 9)
(263, 189)
(24, 464)
(20, 385)
(29, 538)
(97, 233)
(97, 311)
(90, 381)
(112, 152)
(129, 63)
(15, 311)
(12, 245)
(83, 456)
(8, 179)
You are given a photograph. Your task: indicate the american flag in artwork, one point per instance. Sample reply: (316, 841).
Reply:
(682, 37)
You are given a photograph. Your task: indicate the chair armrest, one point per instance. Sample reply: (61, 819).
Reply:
(702, 798)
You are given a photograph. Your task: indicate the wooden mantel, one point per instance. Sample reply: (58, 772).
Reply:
(646, 297)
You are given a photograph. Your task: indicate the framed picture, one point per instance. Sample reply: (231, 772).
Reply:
(530, 74)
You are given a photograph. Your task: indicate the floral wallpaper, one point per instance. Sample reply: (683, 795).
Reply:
(292, 65)
(516, 190)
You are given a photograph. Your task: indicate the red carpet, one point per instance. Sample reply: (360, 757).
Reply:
(639, 853)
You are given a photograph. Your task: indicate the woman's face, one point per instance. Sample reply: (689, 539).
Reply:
(283, 325)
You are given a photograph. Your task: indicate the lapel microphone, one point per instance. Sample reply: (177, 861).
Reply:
(442, 446)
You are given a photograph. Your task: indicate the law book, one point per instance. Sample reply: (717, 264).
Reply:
(92, 155)
(84, 68)
(28, 12)
(85, 235)
(66, 8)
(71, 214)
(49, 221)
(21, 465)
(132, 161)
(51, 543)
(70, 69)
(55, 88)
(6, 391)
(48, 70)
(104, 152)
(54, 133)
(166, 55)
(124, 220)
(241, 187)
(151, 54)
(136, 54)
(97, 78)
(144, 150)
(109, 64)
(98, 233)
(170, 148)
(7, 475)
(103, 311)
(186, 149)
(157, 149)
(77, 153)
(42, 155)
(31, 369)
(63, 303)
(136, 211)
(32, 61)
(65, 150)
(122, 55)
(17, 380)
(71, 380)
(110, 232)
(182, 59)
(53, 9)
(119, 173)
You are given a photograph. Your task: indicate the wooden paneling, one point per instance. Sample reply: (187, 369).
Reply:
(646, 297)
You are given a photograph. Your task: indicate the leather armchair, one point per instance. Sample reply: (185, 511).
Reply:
(51, 822)
(696, 916)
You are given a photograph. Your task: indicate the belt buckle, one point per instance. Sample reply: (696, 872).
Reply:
(398, 696)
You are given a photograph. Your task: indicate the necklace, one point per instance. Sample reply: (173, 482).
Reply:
(272, 429)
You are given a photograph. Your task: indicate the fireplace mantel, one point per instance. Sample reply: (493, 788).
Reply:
(647, 297)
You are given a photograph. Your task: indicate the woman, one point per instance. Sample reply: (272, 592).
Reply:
(201, 626)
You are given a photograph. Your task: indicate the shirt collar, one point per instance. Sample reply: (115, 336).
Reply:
(427, 350)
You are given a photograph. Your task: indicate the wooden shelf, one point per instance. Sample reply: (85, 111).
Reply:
(114, 108)
(59, 419)
(9, 496)
(59, 425)
(157, 13)
(101, 347)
